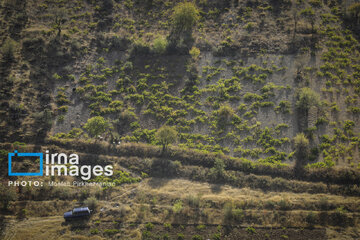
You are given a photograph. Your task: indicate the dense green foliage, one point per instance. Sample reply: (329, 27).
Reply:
(185, 16)
(307, 98)
(166, 135)
(96, 126)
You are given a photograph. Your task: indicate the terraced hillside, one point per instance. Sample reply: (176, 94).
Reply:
(238, 92)
(262, 98)
(185, 195)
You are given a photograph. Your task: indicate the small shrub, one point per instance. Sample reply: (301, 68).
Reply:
(61, 98)
(314, 154)
(166, 236)
(63, 109)
(178, 206)
(348, 125)
(311, 218)
(200, 227)
(75, 133)
(250, 230)
(269, 204)
(284, 107)
(324, 203)
(61, 119)
(218, 170)
(91, 202)
(238, 214)
(284, 205)
(228, 211)
(197, 237)
(111, 231)
(301, 148)
(180, 236)
(266, 104)
(149, 226)
(321, 121)
(194, 52)
(216, 236)
(224, 115)
(21, 214)
(128, 66)
(140, 47)
(340, 217)
(193, 201)
(146, 234)
(167, 226)
(250, 26)
(251, 96)
(159, 45)
(307, 98)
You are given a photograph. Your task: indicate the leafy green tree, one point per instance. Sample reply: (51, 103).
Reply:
(184, 18)
(218, 171)
(219, 166)
(166, 135)
(96, 126)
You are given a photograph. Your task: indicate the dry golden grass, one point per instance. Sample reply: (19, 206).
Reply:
(35, 228)
(181, 188)
(152, 200)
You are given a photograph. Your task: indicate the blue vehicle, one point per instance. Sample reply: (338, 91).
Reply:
(77, 213)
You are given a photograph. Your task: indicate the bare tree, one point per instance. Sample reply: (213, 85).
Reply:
(60, 17)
